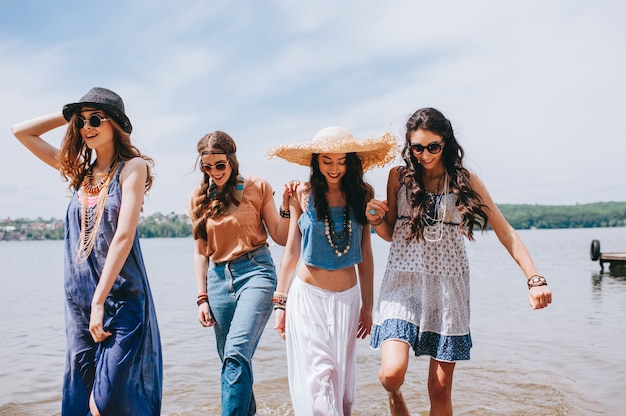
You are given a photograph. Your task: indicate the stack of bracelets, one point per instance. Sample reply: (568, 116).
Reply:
(202, 298)
(284, 213)
(280, 300)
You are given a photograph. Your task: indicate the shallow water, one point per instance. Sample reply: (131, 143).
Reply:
(564, 360)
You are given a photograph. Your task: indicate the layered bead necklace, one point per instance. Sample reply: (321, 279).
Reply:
(339, 240)
(435, 215)
(91, 215)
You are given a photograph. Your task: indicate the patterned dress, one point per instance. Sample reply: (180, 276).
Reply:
(125, 370)
(425, 293)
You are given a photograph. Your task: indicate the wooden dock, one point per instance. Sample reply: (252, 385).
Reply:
(614, 259)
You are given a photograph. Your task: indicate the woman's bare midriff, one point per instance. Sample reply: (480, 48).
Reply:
(333, 280)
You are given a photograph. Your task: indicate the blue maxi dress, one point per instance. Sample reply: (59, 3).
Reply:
(125, 371)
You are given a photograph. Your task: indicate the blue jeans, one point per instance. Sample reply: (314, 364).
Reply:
(240, 296)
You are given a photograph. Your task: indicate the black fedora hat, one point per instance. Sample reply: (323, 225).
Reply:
(102, 99)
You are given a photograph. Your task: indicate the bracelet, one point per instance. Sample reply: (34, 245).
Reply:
(278, 306)
(203, 295)
(536, 281)
(284, 213)
(374, 224)
(279, 297)
(202, 300)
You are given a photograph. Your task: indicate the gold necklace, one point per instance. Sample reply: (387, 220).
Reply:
(90, 188)
(92, 216)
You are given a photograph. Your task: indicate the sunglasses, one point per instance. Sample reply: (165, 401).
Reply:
(433, 148)
(94, 121)
(219, 166)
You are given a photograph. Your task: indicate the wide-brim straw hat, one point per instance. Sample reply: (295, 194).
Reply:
(373, 152)
(101, 99)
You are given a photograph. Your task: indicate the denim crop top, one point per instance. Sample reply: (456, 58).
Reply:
(316, 250)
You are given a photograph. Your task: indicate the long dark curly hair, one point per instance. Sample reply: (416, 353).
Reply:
(468, 201)
(203, 206)
(352, 184)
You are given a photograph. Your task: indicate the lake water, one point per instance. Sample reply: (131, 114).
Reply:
(565, 360)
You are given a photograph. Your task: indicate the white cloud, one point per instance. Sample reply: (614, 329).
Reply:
(535, 90)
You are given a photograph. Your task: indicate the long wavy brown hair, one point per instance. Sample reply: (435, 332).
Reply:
(468, 201)
(203, 206)
(76, 158)
(356, 190)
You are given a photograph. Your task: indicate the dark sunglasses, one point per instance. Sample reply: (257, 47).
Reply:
(219, 166)
(94, 121)
(433, 148)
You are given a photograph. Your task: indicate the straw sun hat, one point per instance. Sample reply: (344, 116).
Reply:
(374, 152)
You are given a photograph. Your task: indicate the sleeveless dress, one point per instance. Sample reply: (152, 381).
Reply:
(425, 292)
(125, 370)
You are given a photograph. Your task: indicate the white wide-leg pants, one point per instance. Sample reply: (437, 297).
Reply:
(321, 328)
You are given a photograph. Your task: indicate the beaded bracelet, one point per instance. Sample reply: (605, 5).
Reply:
(279, 297)
(284, 213)
(536, 281)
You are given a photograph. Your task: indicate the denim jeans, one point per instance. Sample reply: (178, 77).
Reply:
(240, 296)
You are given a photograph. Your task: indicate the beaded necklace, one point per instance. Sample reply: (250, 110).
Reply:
(435, 215)
(338, 240)
(97, 187)
(91, 216)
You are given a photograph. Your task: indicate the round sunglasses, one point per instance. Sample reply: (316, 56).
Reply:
(433, 148)
(219, 166)
(94, 121)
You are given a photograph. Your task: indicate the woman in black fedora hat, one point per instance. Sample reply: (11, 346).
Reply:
(113, 355)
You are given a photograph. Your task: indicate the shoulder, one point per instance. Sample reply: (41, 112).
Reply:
(395, 175)
(473, 178)
(257, 182)
(476, 184)
(134, 166)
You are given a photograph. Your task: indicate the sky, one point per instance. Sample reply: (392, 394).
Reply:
(535, 90)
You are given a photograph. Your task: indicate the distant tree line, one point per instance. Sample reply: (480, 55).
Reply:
(599, 214)
(164, 226)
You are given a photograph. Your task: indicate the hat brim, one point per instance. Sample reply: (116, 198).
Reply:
(120, 118)
(373, 152)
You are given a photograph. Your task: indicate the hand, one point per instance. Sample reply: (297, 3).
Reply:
(96, 327)
(290, 189)
(375, 210)
(279, 322)
(539, 297)
(204, 315)
(365, 323)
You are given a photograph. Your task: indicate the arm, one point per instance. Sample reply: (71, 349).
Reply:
(388, 209)
(290, 259)
(366, 284)
(200, 269)
(133, 182)
(538, 297)
(29, 132)
(278, 226)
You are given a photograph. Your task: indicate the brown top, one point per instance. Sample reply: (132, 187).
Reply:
(243, 230)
